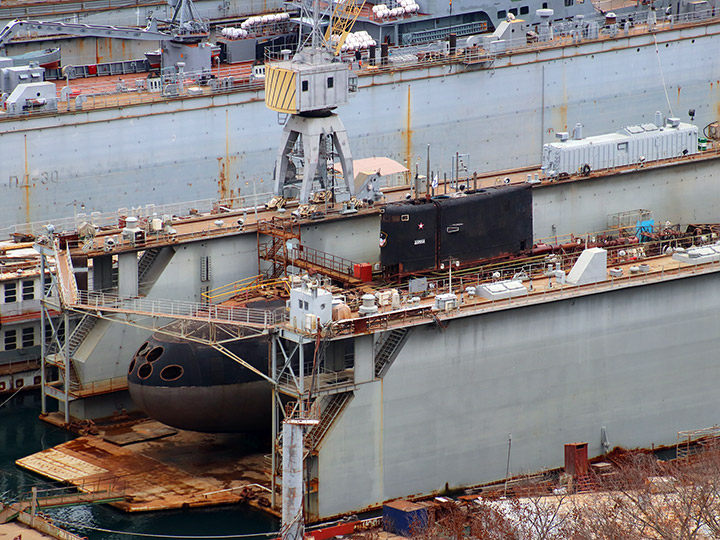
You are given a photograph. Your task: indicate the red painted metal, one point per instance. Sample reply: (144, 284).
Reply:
(363, 271)
(576, 459)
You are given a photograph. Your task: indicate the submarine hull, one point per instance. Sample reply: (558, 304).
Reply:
(195, 387)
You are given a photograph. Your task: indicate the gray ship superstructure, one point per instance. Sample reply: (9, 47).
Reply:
(496, 103)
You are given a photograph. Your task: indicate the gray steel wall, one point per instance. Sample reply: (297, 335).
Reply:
(641, 362)
(177, 150)
(683, 193)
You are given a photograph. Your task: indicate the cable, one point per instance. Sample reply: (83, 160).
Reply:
(18, 390)
(667, 98)
(151, 535)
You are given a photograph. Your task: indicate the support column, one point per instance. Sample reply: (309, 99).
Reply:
(311, 129)
(293, 522)
(43, 336)
(66, 363)
(273, 465)
(128, 274)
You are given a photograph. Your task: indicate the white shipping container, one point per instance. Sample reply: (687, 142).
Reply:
(629, 146)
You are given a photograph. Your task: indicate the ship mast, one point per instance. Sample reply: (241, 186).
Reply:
(309, 87)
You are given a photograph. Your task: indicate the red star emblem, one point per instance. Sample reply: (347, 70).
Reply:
(421, 225)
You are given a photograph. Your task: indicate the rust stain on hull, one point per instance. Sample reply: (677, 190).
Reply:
(224, 172)
(408, 133)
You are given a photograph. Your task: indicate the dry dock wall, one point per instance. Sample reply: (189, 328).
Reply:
(683, 193)
(222, 146)
(640, 362)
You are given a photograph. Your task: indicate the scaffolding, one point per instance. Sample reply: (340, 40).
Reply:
(284, 249)
(315, 384)
(212, 325)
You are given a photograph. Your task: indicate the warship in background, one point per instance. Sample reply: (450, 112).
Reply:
(548, 68)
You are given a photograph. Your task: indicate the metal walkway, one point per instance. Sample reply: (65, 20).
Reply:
(281, 232)
(95, 302)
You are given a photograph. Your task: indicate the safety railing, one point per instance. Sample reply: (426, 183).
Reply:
(33, 10)
(180, 310)
(412, 313)
(323, 260)
(185, 209)
(243, 288)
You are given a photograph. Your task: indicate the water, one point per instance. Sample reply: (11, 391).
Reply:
(22, 434)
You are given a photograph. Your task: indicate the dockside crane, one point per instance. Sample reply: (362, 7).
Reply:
(308, 87)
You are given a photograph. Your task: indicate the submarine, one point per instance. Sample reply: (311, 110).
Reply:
(195, 387)
(191, 386)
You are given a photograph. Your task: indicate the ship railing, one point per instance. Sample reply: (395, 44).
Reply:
(408, 315)
(564, 33)
(109, 220)
(101, 386)
(244, 289)
(131, 89)
(88, 490)
(325, 380)
(175, 309)
(324, 260)
(31, 11)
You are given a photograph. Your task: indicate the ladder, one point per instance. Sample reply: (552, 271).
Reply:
(146, 261)
(389, 349)
(334, 405)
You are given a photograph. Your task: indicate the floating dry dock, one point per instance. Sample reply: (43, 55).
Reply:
(577, 360)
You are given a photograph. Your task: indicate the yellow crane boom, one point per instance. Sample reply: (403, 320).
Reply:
(343, 18)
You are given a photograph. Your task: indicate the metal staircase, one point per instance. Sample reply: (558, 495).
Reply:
(55, 354)
(80, 332)
(334, 405)
(387, 350)
(146, 261)
(78, 335)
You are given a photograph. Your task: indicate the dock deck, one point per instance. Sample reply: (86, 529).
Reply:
(180, 471)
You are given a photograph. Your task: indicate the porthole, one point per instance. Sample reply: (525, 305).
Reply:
(144, 347)
(155, 354)
(144, 371)
(171, 373)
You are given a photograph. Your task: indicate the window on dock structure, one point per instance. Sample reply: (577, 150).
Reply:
(28, 289)
(28, 336)
(10, 340)
(10, 293)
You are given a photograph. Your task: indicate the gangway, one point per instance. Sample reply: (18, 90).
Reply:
(285, 249)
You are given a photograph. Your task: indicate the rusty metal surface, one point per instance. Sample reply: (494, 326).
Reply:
(180, 470)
